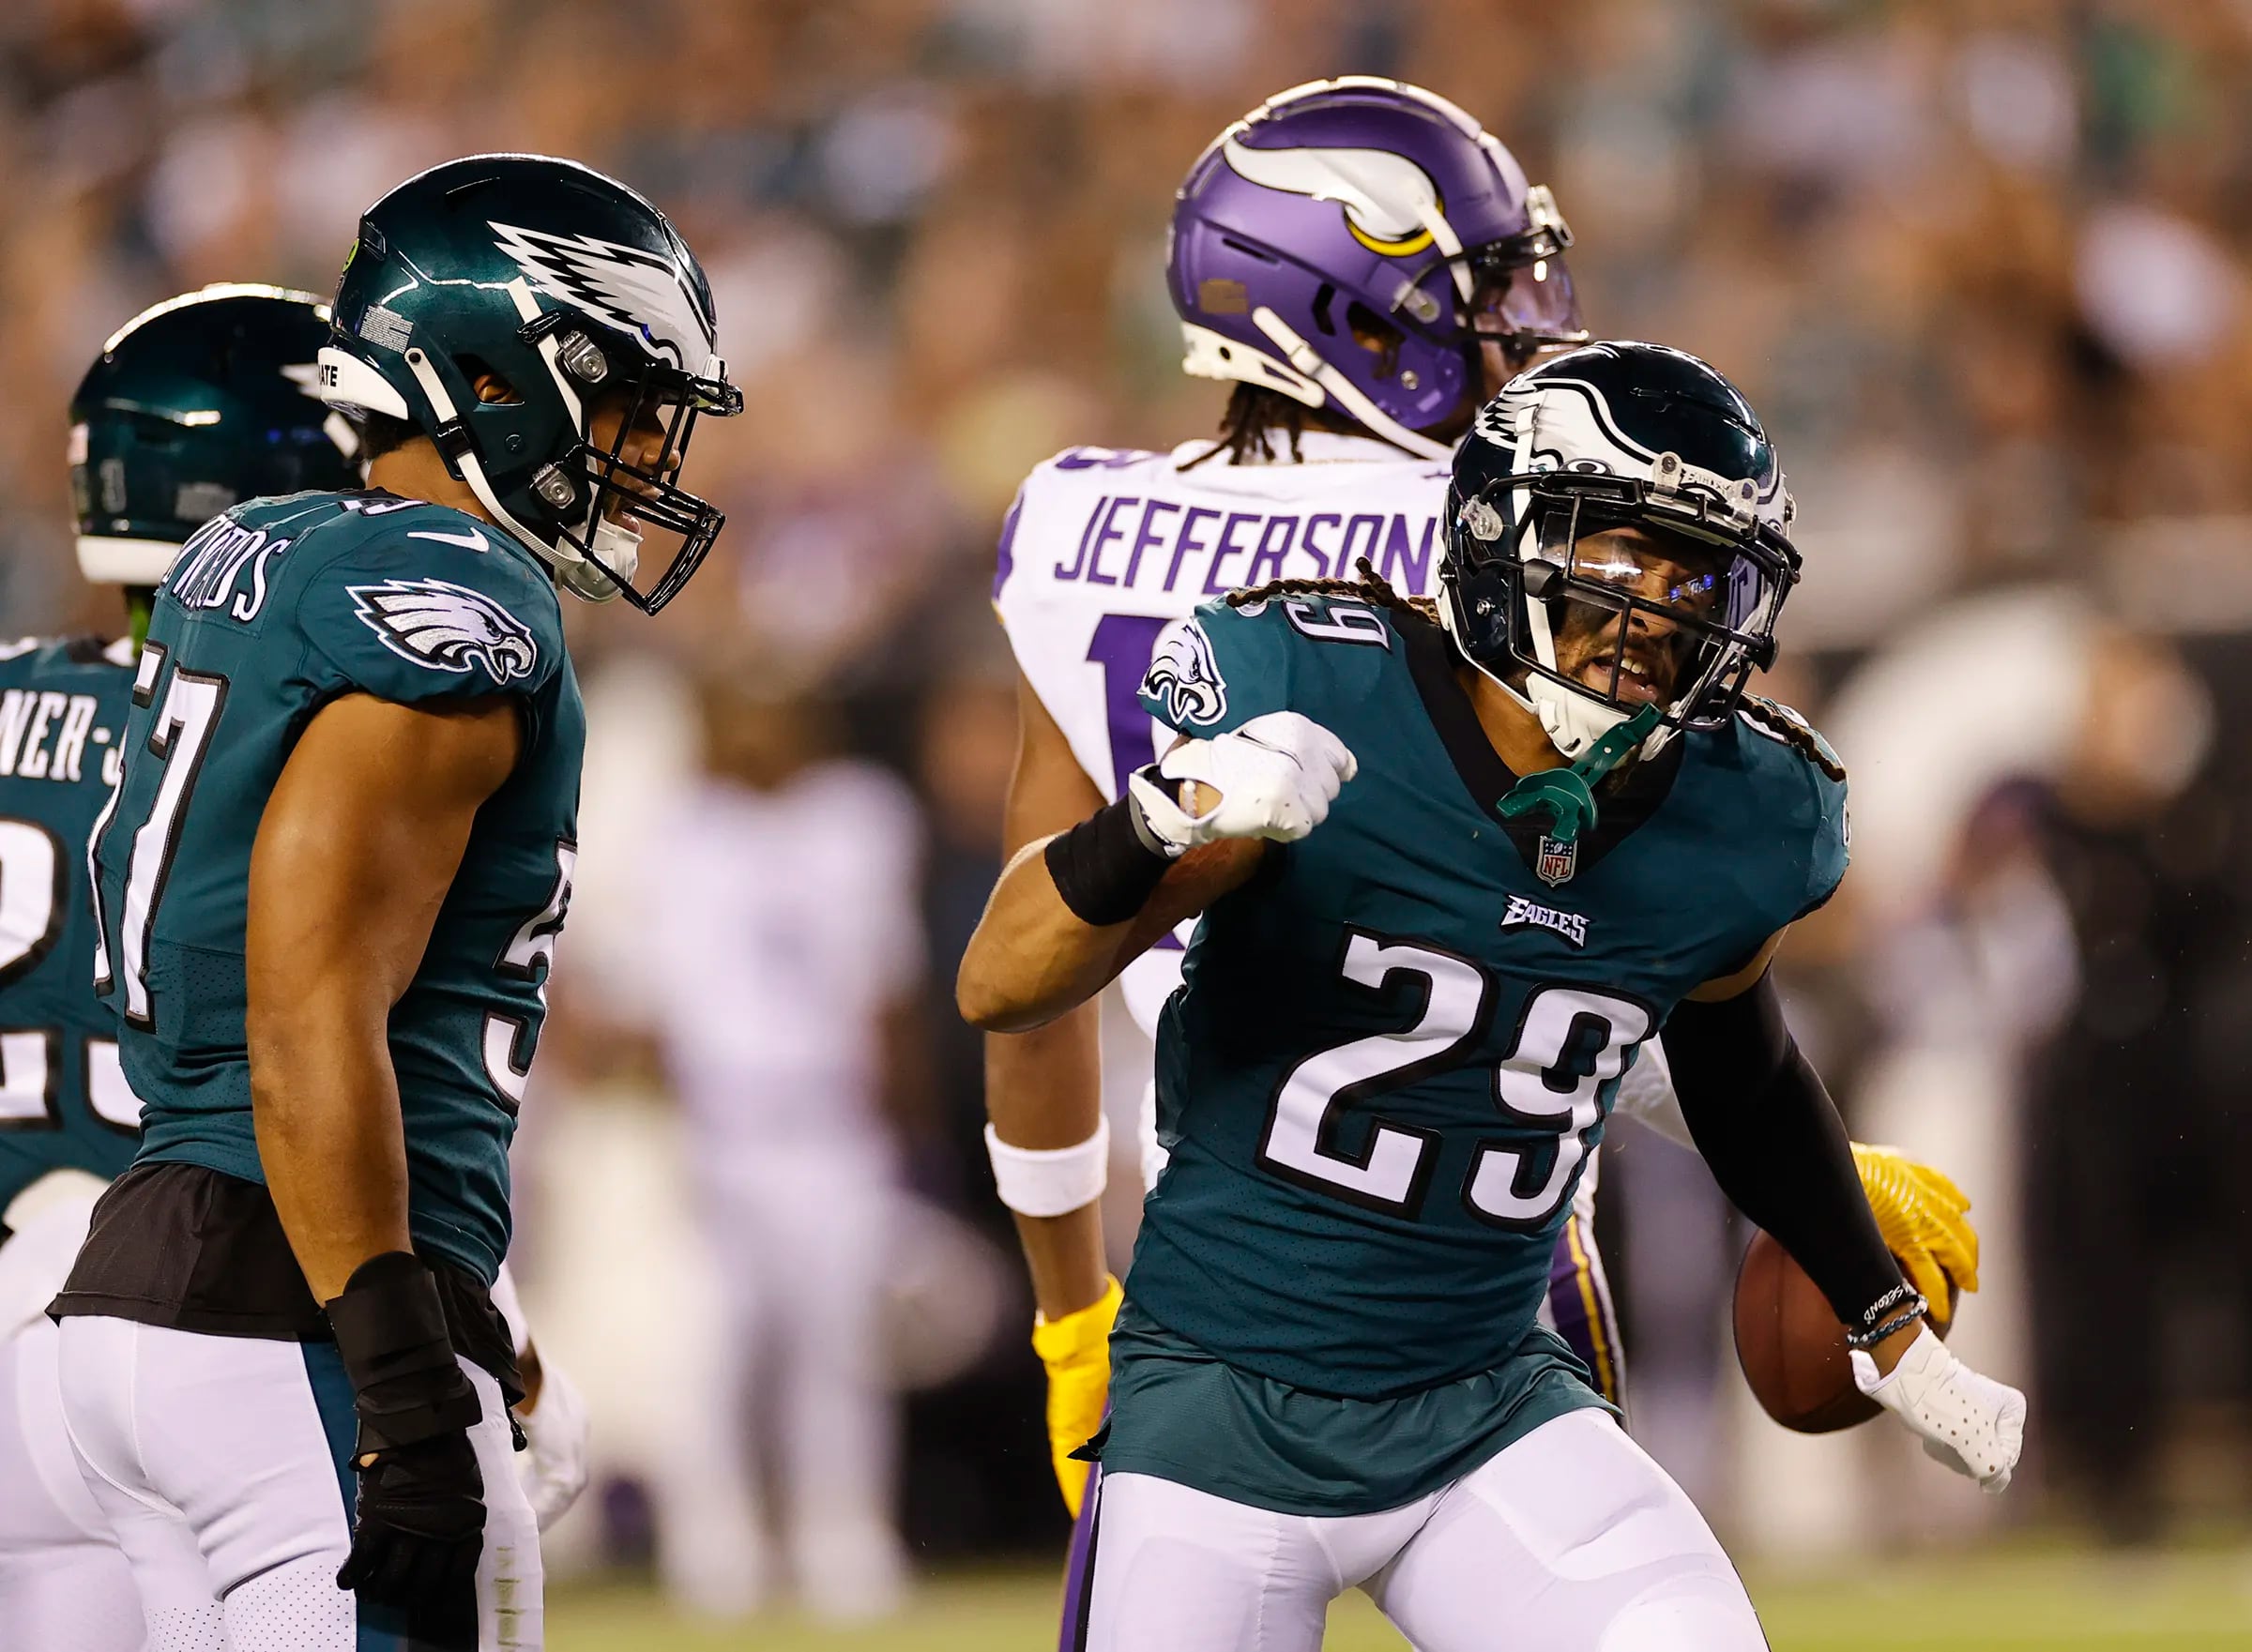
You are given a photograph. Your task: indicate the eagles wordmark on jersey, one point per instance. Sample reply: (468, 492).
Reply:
(1396, 1049)
(272, 610)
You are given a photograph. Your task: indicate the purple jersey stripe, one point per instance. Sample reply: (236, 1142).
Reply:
(1580, 1300)
(1080, 1569)
(1006, 558)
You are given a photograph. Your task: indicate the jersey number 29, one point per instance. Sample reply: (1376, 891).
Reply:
(1571, 1042)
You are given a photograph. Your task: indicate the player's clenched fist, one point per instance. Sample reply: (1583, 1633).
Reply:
(1969, 1422)
(1275, 777)
(419, 1528)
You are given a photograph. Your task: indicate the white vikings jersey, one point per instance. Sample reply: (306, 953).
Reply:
(1104, 546)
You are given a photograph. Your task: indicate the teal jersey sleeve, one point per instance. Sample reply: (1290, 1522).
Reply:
(427, 603)
(1808, 787)
(1309, 653)
(1216, 669)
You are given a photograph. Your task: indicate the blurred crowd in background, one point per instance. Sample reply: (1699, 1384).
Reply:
(1981, 263)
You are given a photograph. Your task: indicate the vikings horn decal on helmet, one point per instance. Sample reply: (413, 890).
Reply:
(1612, 436)
(1366, 207)
(193, 407)
(1389, 200)
(509, 307)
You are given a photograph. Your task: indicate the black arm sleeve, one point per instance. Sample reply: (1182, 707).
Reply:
(1766, 1126)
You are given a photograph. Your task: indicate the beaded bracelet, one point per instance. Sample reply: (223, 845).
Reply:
(1914, 1310)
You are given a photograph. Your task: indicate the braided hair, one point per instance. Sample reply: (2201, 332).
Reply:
(1248, 428)
(1371, 588)
(1794, 732)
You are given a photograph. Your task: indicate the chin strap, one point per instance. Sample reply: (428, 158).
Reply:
(1569, 794)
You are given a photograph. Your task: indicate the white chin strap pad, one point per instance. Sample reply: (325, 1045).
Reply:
(617, 548)
(1575, 722)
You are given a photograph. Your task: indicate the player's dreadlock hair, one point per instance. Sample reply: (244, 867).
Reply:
(1247, 429)
(1371, 586)
(1794, 732)
(1255, 412)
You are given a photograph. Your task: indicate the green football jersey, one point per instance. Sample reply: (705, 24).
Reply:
(1396, 1048)
(271, 612)
(64, 1101)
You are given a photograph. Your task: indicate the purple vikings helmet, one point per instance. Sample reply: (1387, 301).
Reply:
(1356, 200)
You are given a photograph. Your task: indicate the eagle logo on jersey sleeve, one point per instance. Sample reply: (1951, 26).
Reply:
(1184, 675)
(448, 626)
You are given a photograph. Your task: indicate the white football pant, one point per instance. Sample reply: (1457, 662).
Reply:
(64, 1583)
(221, 1462)
(1571, 1540)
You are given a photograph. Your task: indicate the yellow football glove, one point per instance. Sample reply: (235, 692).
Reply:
(1922, 1216)
(1076, 1351)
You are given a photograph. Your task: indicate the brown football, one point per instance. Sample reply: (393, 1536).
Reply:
(1791, 1347)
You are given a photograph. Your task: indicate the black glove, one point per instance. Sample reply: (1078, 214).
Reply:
(421, 1525)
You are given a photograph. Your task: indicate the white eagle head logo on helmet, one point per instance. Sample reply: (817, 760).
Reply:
(643, 295)
(447, 627)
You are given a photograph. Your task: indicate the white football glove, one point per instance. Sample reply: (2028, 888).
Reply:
(1972, 1423)
(1276, 776)
(552, 1464)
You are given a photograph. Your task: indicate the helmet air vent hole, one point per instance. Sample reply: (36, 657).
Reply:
(1322, 297)
(1249, 250)
(493, 389)
(1377, 336)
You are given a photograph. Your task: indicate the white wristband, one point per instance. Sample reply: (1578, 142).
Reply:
(1050, 1181)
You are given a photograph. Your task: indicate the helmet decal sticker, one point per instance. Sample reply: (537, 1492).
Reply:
(1184, 674)
(1386, 197)
(386, 328)
(448, 626)
(640, 294)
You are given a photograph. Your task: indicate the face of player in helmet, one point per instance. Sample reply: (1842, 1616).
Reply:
(636, 428)
(1635, 656)
(1521, 312)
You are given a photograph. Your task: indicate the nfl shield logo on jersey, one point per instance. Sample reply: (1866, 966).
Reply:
(1557, 860)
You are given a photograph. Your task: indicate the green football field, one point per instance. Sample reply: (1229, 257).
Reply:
(2052, 1601)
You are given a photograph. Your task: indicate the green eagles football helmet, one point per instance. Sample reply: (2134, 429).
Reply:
(577, 295)
(1617, 436)
(206, 401)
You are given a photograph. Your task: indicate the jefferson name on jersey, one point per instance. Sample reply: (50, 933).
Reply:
(1143, 527)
